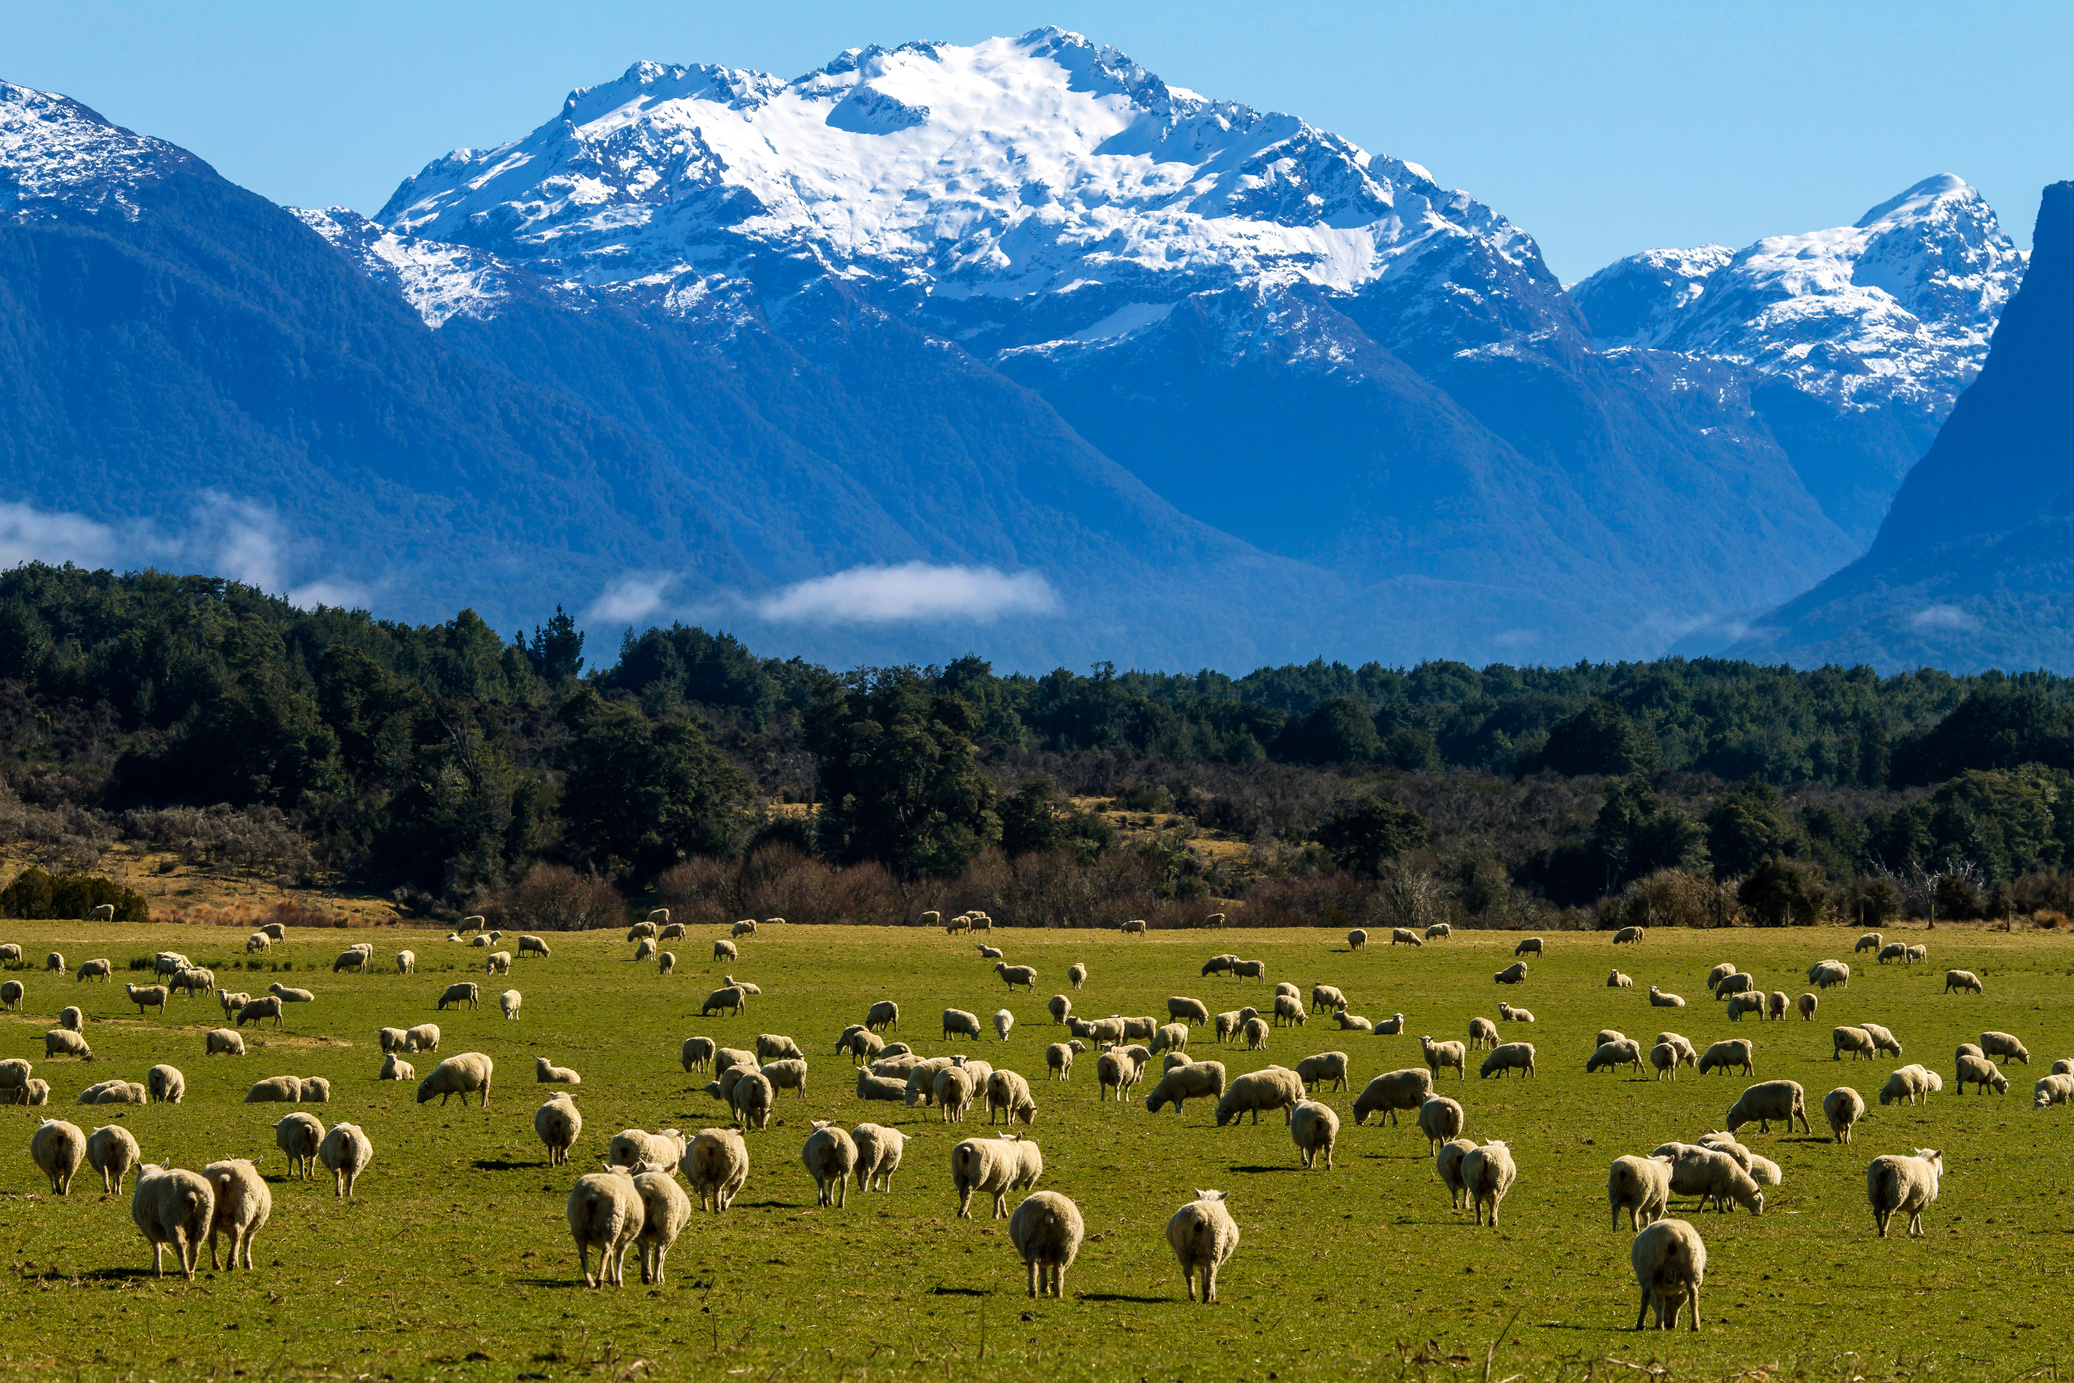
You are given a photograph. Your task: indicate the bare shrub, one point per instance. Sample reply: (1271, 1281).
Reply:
(555, 898)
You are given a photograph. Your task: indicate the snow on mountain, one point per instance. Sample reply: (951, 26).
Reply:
(56, 153)
(1897, 308)
(437, 280)
(1013, 168)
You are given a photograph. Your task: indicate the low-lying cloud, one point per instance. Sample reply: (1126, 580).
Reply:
(1932, 617)
(909, 592)
(634, 596)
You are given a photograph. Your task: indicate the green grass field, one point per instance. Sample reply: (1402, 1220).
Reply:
(456, 1259)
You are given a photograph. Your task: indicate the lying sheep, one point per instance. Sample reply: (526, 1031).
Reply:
(275, 1090)
(1441, 1120)
(288, 994)
(874, 1087)
(1726, 1056)
(987, 952)
(244, 1203)
(173, 1207)
(1393, 1026)
(1487, 1174)
(1616, 980)
(1843, 1107)
(346, 1151)
(1642, 1187)
(1272, 1087)
(1659, 999)
(1781, 1100)
(463, 1074)
(1896, 1184)
(1314, 1128)
(546, 1072)
(1447, 1163)
(112, 1151)
(1393, 1091)
(1979, 1071)
(1510, 1056)
(1352, 1022)
(1203, 1236)
(605, 1212)
(1511, 974)
(396, 1068)
(1198, 1080)
(717, 1166)
(1670, 1265)
(1047, 1231)
(2001, 1044)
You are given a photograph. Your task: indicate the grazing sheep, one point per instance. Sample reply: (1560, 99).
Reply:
(1894, 950)
(1487, 1174)
(995, 1166)
(1529, 947)
(1725, 1056)
(276, 931)
(730, 998)
(1883, 1041)
(1439, 931)
(346, 1151)
(1404, 936)
(882, 1015)
(1046, 1231)
(463, 994)
(1713, 1174)
(1393, 1091)
(1775, 1006)
(1843, 1107)
(666, 963)
(1255, 1033)
(1314, 1128)
(459, 1075)
(1896, 1184)
(1325, 1066)
(1626, 1052)
(1077, 974)
(147, 996)
(1007, 1093)
(391, 1039)
(1218, 965)
(1357, 939)
(1807, 1004)
(1004, 1020)
(605, 1212)
(2001, 1044)
(1664, 1057)
(1659, 999)
(865, 1046)
(396, 1068)
(1326, 998)
(166, 1084)
(94, 970)
(54, 963)
(2063, 1067)
(1688, 1055)
(1766, 1101)
(65, 1042)
(406, 962)
(1512, 974)
(275, 1090)
(422, 1038)
(958, 1023)
(1627, 936)
(1978, 1070)
(1183, 1009)
(533, 946)
(1482, 1033)
(752, 1099)
(1907, 1085)
(1447, 1163)
(244, 1203)
(112, 1151)
(259, 1010)
(1249, 970)
(1642, 1187)
(636, 932)
(173, 1207)
(1670, 1264)
(1616, 980)
(1135, 927)
(717, 1166)
(1058, 1060)
(1857, 1041)
(1737, 983)
(1824, 973)
(1202, 1080)
(1272, 1087)
(1289, 1011)
(1871, 941)
(509, 1001)
(1441, 1120)
(299, 1135)
(1510, 1056)
(830, 1156)
(2052, 1089)
(1440, 1054)
(1917, 953)
(1609, 1035)
(1016, 975)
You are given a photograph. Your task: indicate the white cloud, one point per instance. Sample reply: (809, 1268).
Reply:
(632, 597)
(910, 591)
(1941, 617)
(342, 595)
(29, 534)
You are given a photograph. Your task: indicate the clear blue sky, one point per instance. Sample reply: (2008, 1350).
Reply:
(1600, 128)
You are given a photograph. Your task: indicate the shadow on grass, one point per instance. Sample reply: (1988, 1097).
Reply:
(499, 1164)
(1119, 1296)
(958, 1292)
(126, 1274)
(575, 1279)
(769, 1205)
(1255, 1171)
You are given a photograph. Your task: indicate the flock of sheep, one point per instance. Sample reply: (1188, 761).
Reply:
(636, 1199)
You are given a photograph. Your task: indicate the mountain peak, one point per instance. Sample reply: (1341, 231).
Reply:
(1918, 198)
(56, 153)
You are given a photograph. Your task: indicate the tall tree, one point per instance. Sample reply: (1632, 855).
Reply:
(641, 794)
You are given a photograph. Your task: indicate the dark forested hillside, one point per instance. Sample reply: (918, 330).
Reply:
(453, 766)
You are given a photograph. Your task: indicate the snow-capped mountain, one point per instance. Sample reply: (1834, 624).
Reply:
(55, 154)
(1897, 308)
(437, 280)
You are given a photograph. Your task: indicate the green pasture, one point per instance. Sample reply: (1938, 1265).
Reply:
(456, 1259)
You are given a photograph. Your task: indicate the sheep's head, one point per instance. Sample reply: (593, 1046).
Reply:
(1219, 1196)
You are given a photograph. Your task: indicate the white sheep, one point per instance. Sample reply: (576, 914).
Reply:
(605, 1212)
(1058, 1058)
(752, 1098)
(346, 1151)
(1627, 936)
(959, 1023)
(1047, 1231)
(632, 1147)
(1857, 1041)
(1908, 1085)
(1727, 1055)
(422, 1038)
(830, 1156)
(1625, 1052)
(1393, 1091)
(1515, 973)
(299, 1135)
(1979, 1071)
(1404, 936)
(987, 952)
(787, 1073)
(466, 993)
(1439, 931)
(462, 1074)
(244, 1203)
(1203, 1236)
(1806, 1004)
(1447, 1162)
(1510, 1056)
(58, 1147)
(1482, 1033)
(259, 1010)
(1781, 1100)
(1393, 1026)
(509, 1001)
(1487, 1174)
(1314, 1128)
(1659, 999)
(1530, 947)
(1871, 941)
(1198, 1080)
(730, 997)
(1076, 974)
(165, 1084)
(1713, 1174)
(1004, 1020)
(2001, 1044)
(173, 1207)
(1015, 975)
(54, 963)
(1008, 1094)
(1616, 980)
(1670, 1264)
(717, 1166)
(288, 994)
(1357, 939)
(1843, 1107)
(1642, 1187)
(112, 1151)
(1896, 1184)
(1255, 1033)
(1740, 1004)
(559, 1123)
(395, 1067)
(65, 1042)
(882, 1015)
(1882, 1040)
(2052, 1089)
(1272, 1087)
(275, 1090)
(546, 1072)
(879, 1149)
(1441, 1120)
(995, 1166)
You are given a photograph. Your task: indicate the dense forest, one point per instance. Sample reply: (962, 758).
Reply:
(454, 769)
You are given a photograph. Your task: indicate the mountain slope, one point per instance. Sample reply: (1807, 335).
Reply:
(1970, 568)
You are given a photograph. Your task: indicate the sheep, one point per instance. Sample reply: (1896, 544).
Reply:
(547, 1073)
(864, 1046)
(1314, 1128)
(259, 1010)
(1404, 936)
(605, 1212)
(14, 1078)
(112, 1151)
(1357, 939)
(1895, 1184)
(1487, 1174)
(2001, 1044)
(995, 1166)
(1249, 970)
(390, 1039)
(509, 1001)
(1227, 1025)
(1016, 975)
(1289, 1011)
(788, 1073)
(1058, 1060)
(65, 1042)
(1967, 1049)
(958, 1023)
(1782, 1100)
(717, 1166)
(1857, 1041)
(464, 994)
(173, 1207)
(1978, 1070)
(1182, 1009)
(34, 1091)
(1004, 1020)
(1627, 936)
(275, 931)
(147, 996)
(289, 995)
(1642, 1187)
(1907, 1085)
(57, 1148)
(1713, 1174)
(1609, 1035)
(1893, 950)
(1393, 1091)
(1255, 1033)
(346, 1150)
(1871, 941)
(1616, 980)
(729, 997)
(2052, 1089)
(1134, 927)
(166, 1084)
(1514, 973)
(396, 1068)
(1508, 1014)
(1272, 1087)
(114, 1092)
(1482, 1033)
(1076, 974)
(1843, 1107)
(459, 1075)
(633, 1148)
(299, 1135)
(1670, 1264)
(1510, 1056)
(243, 1205)
(1916, 953)
(1441, 1120)
(1824, 973)
(1441, 1054)
(533, 946)
(882, 1015)
(11, 995)
(356, 959)
(1883, 1041)
(1009, 1094)
(1325, 1066)
(1775, 1005)
(10, 953)
(1447, 1163)
(1737, 983)
(54, 963)
(2063, 1067)
(1725, 1056)
(1117, 1068)
(636, 932)
(875, 1087)
(1659, 999)
(1626, 1052)
(1046, 1231)
(979, 920)
(93, 970)
(275, 1090)
(422, 1038)
(1806, 1004)
(1204, 1236)
(830, 1156)
(878, 1155)
(1664, 1058)
(1393, 1026)
(1198, 1080)
(752, 1098)
(987, 952)
(1352, 1022)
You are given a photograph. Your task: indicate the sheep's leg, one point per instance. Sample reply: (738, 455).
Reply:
(1692, 1299)
(1032, 1270)
(214, 1265)
(1210, 1283)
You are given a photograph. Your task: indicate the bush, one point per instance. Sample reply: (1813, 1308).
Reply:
(555, 898)
(35, 894)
